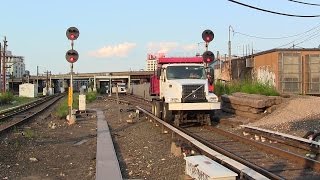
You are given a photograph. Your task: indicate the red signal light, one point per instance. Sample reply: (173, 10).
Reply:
(72, 56)
(72, 33)
(208, 57)
(207, 35)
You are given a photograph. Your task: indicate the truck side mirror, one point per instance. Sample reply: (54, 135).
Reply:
(158, 73)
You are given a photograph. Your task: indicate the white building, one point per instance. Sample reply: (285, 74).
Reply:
(15, 65)
(152, 61)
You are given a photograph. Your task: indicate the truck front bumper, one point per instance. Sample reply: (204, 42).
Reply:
(195, 106)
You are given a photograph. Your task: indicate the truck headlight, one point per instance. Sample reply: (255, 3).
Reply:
(212, 99)
(173, 100)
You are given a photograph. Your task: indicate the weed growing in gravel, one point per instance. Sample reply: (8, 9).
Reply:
(15, 129)
(28, 133)
(91, 96)
(63, 110)
(16, 144)
(6, 98)
(250, 87)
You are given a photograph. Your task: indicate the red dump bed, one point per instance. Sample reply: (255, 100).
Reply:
(169, 60)
(154, 86)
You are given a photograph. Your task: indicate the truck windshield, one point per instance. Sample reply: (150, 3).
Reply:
(185, 72)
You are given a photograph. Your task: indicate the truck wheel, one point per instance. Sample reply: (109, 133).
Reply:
(157, 109)
(166, 113)
(212, 113)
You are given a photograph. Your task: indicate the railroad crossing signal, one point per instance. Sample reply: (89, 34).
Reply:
(207, 35)
(208, 57)
(72, 56)
(72, 33)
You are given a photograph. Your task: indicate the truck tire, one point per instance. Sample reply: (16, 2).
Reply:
(212, 115)
(157, 109)
(166, 113)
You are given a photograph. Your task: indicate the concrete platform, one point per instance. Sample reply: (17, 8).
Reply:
(107, 165)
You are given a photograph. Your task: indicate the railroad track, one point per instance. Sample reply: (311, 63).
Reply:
(21, 114)
(280, 159)
(284, 141)
(267, 159)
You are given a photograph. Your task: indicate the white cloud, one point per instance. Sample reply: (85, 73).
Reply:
(120, 50)
(162, 47)
(189, 47)
(169, 47)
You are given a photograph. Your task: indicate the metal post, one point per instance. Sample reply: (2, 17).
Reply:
(37, 79)
(118, 102)
(4, 65)
(206, 64)
(71, 88)
(0, 57)
(47, 85)
(229, 51)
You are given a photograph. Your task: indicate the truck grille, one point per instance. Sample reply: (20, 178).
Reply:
(193, 93)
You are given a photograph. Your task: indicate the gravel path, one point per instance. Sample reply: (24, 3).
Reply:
(296, 116)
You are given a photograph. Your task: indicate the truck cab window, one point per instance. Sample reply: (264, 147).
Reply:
(185, 72)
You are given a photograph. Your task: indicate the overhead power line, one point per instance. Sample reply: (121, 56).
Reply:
(311, 4)
(304, 38)
(274, 12)
(284, 37)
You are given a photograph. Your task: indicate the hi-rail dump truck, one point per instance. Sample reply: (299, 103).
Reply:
(180, 91)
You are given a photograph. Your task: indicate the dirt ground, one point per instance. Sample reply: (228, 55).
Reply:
(48, 148)
(143, 151)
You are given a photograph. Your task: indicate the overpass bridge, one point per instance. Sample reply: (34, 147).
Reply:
(100, 79)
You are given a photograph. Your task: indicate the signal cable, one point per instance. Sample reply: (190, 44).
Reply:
(274, 12)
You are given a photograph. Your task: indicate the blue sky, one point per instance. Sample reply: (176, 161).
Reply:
(117, 35)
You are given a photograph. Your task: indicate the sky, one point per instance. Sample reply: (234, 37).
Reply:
(117, 35)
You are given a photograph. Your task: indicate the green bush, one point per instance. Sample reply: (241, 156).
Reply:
(250, 87)
(63, 109)
(91, 96)
(6, 98)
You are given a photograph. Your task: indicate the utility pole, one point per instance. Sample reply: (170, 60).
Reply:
(0, 57)
(37, 78)
(229, 51)
(4, 65)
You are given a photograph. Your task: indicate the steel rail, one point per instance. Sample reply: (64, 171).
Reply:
(241, 168)
(5, 126)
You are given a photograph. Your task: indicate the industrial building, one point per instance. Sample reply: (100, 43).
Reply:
(294, 71)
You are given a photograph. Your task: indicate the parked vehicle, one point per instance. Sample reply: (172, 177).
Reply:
(180, 91)
(121, 88)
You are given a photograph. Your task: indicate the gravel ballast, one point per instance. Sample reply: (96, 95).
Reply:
(296, 116)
